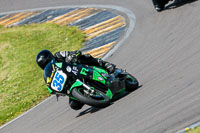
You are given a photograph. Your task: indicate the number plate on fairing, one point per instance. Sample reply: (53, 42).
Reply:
(58, 81)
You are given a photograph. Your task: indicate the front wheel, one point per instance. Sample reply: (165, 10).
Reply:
(131, 83)
(96, 99)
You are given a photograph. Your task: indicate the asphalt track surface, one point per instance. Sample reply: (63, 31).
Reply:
(163, 52)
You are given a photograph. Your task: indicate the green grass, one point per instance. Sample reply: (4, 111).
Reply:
(21, 80)
(195, 130)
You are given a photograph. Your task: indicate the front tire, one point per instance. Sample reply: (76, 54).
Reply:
(99, 99)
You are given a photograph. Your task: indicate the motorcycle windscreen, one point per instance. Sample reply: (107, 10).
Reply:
(48, 72)
(54, 78)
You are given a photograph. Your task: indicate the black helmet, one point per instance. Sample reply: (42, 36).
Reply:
(43, 58)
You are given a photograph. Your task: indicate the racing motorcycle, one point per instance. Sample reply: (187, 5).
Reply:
(93, 86)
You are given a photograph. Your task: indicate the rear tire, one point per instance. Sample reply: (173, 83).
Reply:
(100, 101)
(131, 83)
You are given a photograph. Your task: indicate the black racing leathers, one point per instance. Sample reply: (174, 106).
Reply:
(79, 58)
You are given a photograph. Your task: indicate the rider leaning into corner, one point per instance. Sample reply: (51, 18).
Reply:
(45, 56)
(160, 4)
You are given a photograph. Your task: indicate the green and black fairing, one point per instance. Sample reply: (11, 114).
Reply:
(78, 76)
(50, 72)
(101, 80)
(73, 72)
(94, 76)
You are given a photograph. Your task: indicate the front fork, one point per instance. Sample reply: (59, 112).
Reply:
(88, 90)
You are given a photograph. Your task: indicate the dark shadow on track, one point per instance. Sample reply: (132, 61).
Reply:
(116, 98)
(89, 110)
(122, 95)
(178, 3)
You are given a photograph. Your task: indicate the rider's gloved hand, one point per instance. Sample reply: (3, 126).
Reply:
(73, 57)
(78, 53)
(110, 67)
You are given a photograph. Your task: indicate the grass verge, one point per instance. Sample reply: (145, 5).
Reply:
(195, 130)
(21, 81)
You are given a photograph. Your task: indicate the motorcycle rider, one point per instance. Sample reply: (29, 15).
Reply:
(45, 56)
(160, 4)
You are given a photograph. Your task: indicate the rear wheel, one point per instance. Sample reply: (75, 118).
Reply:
(95, 99)
(131, 83)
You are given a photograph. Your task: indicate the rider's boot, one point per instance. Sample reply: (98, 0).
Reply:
(74, 104)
